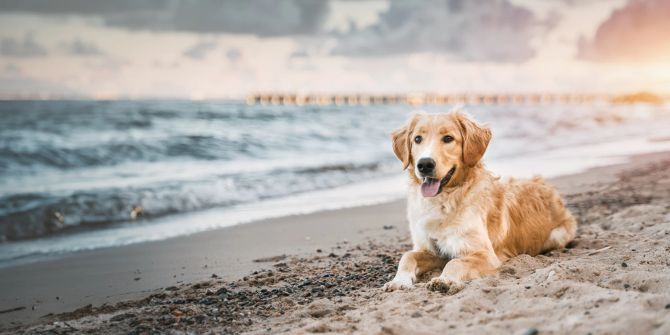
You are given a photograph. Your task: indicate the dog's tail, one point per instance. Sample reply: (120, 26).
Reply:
(565, 228)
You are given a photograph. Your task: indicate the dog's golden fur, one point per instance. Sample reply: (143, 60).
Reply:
(477, 221)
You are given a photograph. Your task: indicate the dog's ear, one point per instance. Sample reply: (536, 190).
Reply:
(402, 144)
(475, 138)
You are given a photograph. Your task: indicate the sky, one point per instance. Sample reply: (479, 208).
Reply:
(222, 49)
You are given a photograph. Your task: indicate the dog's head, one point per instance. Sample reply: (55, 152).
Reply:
(439, 147)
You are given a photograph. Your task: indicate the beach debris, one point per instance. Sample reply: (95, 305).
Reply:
(136, 212)
(270, 259)
(599, 250)
(388, 227)
(15, 309)
(121, 317)
(531, 331)
(70, 326)
(551, 275)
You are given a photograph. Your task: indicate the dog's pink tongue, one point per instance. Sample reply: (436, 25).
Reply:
(430, 187)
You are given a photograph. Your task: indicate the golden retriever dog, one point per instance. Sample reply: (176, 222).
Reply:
(463, 219)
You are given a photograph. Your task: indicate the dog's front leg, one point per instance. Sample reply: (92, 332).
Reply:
(470, 266)
(412, 264)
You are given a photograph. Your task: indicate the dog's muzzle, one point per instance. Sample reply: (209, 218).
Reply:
(432, 186)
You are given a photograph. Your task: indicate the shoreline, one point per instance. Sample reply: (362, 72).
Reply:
(111, 275)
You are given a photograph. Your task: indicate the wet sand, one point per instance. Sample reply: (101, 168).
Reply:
(614, 280)
(111, 275)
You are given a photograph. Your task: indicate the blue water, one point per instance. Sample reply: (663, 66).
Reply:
(68, 167)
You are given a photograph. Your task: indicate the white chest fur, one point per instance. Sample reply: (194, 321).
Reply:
(441, 226)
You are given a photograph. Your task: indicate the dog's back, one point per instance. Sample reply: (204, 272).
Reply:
(529, 217)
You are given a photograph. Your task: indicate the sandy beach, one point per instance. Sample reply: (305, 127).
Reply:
(240, 167)
(322, 273)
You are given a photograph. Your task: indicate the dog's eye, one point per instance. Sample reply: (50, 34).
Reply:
(447, 139)
(418, 139)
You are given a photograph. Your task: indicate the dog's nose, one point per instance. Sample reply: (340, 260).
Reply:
(426, 166)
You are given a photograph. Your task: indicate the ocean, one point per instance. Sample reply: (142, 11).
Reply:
(79, 175)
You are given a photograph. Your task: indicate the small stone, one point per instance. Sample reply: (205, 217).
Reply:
(667, 306)
(388, 227)
(137, 278)
(531, 331)
(626, 286)
(416, 315)
(624, 265)
(319, 250)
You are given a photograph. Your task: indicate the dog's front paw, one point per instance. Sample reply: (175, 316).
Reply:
(444, 285)
(395, 285)
(399, 283)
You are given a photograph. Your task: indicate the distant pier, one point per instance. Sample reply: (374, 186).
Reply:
(424, 99)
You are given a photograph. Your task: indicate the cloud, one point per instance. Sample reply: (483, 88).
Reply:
(200, 50)
(16, 85)
(638, 32)
(22, 48)
(11, 70)
(300, 53)
(78, 47)
(266, 18)
(468, 30)
(233, 55)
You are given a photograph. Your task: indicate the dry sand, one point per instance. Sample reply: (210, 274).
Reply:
(615, 279)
